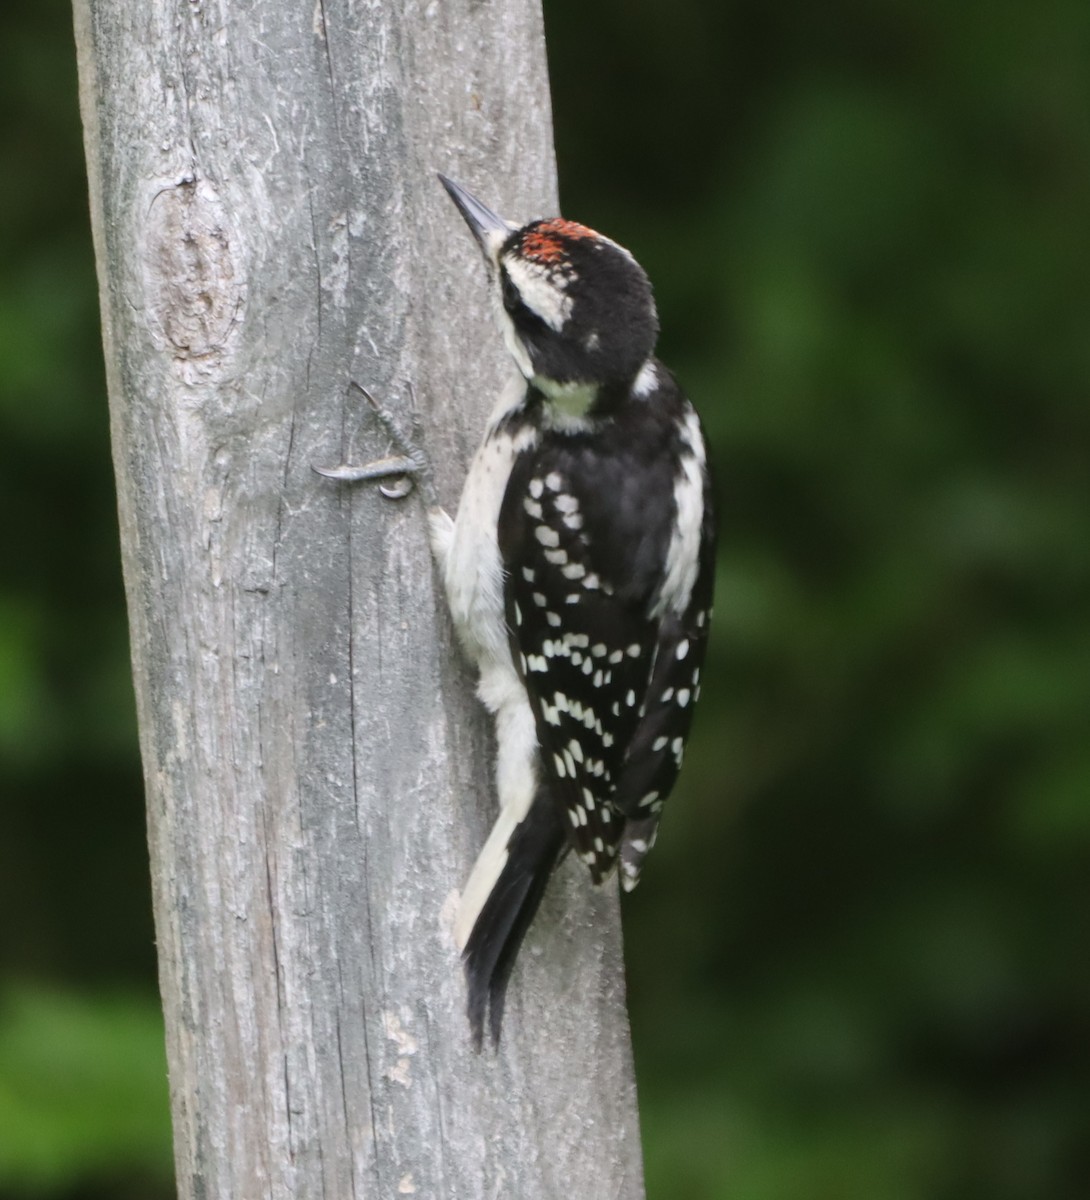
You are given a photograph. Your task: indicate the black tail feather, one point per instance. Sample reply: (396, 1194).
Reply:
(497, 934)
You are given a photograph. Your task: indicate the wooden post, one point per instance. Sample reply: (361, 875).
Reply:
(268, 227)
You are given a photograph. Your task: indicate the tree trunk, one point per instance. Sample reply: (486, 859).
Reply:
(268, 227)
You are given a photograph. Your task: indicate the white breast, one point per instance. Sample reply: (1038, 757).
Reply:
(473, 572)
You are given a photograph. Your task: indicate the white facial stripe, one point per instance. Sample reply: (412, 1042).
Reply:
(510, 338)
(540, 295)
(493, 240)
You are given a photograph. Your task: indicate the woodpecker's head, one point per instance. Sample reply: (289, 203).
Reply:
(575, 309)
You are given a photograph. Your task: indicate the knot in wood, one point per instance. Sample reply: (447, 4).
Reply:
(194, 289)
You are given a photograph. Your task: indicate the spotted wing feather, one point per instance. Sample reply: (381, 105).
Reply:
(658, 743)
(585, 657)
(610, 663)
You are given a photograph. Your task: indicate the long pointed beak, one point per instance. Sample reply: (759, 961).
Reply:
(489, 228)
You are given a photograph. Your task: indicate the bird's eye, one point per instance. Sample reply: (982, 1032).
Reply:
(511, 298)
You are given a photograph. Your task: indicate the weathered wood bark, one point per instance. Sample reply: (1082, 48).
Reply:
(268, 227)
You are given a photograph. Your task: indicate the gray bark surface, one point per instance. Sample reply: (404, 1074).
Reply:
(267, 227)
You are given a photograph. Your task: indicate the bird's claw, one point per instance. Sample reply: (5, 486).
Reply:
(398, 470)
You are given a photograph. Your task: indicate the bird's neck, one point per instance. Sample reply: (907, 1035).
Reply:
(579, 406)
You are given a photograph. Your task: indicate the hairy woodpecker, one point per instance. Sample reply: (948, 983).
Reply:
(579, 573)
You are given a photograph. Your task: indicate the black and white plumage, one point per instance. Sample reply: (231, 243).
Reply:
(579, 571)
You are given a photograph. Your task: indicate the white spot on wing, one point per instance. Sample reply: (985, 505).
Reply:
(682, 554)
(646, 381)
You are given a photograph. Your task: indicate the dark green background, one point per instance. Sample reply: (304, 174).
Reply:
(859, 959)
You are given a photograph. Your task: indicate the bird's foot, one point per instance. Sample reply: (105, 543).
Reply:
(398, 470)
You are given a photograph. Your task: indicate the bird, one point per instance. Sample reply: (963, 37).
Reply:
(579, 572)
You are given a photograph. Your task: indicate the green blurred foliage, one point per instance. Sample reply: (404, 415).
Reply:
(81, 1091)
(858, 964)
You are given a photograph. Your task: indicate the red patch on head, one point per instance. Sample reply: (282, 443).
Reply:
(547, 242)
